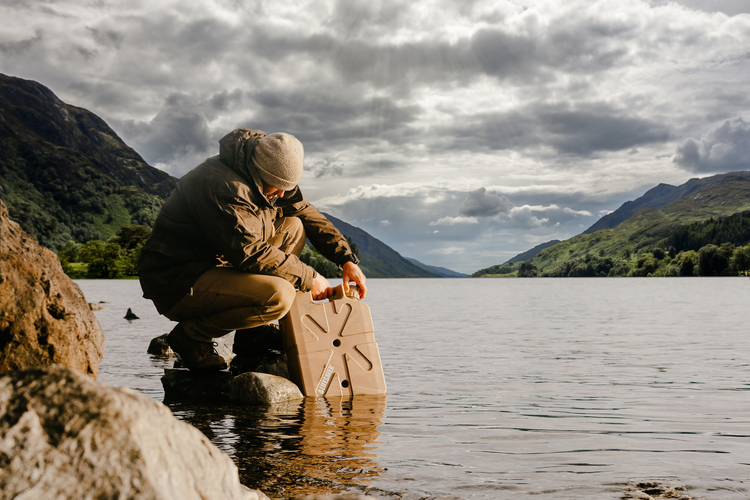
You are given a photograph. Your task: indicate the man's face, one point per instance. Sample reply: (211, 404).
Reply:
(272, 193)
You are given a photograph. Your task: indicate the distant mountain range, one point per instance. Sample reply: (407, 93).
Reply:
(66, 175)
(378, 259)
(647, 221)
(442, 272)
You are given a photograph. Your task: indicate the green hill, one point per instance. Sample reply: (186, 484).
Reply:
(647, 229)
(65, 174)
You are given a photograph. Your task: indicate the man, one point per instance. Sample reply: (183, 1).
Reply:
(224, 252)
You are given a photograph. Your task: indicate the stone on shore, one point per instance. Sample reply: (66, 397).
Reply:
(65, 436)
(44, 317)
(262, 388)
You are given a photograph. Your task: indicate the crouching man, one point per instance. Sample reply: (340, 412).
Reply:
(224, 252)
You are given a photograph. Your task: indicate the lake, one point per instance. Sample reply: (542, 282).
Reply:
(499, 388)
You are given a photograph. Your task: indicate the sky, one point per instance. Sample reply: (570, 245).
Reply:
(460, 133)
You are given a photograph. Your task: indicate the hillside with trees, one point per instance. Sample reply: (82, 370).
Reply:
(704, 233)
(65, 175)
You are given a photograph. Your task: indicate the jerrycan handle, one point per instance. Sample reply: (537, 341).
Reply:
(338, 292)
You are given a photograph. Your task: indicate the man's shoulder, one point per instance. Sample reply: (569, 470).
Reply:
(218, 178)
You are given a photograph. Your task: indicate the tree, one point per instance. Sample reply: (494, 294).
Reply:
(103, 259)
(527, 270)
(131, 236)
(740, 262)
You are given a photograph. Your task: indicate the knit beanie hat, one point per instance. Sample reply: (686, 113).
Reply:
(278, 158)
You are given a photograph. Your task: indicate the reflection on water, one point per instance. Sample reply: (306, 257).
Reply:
(309, 446)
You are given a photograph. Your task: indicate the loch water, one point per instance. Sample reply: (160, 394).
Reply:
(499, 389)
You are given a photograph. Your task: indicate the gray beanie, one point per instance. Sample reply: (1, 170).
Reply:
(278, 158)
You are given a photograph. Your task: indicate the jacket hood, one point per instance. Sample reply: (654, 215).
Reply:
(235, 151)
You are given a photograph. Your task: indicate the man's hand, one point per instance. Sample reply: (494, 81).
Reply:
(321, 289)
(352, 272)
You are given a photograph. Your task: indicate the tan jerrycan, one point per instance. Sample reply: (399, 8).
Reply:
(330, 346)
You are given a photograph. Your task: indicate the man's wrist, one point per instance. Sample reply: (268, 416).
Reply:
(349, 258)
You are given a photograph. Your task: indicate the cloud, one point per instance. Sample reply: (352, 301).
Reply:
(483, 203)
(452, 221)
(446, 251)
(327, 166)
(177, 131)
(524, 217)
(724, 148)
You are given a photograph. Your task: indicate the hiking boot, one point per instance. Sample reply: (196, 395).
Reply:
(196, 355)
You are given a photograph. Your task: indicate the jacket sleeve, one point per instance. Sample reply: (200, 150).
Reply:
(239, 233)
(320, 231)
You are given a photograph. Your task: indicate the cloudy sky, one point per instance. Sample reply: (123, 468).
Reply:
(458, 132)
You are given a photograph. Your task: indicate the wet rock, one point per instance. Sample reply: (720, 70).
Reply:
(159, 347)
(44, 317)
(130, 315)
(181, 383)
(94, 306)
(262, 388)
(65, 436)
(652, 490)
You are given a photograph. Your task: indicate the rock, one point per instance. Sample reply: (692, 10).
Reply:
(44, 317)
(65, 436)
(336, 496)
(159, 347)
(262, 388)
(181, 383)
(130, 315)
(96, 306)
(248, 388)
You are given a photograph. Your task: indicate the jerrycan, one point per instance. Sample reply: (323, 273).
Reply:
(330, 346)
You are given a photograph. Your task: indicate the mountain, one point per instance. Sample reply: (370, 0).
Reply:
(440, 271)
(658, 198)
(378, 260)
(531, 253)
(65, 174)
(650, 227)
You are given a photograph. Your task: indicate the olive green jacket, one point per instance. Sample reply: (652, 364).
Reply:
(218, 212)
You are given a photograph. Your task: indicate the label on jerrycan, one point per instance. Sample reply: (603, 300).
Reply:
(331, 347)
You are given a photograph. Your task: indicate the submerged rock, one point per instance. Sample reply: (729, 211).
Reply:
(159, 347)
(130, 315)
(44, 317)
(67, 437)
(262, 388)
(94, 306)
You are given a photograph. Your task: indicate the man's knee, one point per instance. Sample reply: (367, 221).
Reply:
(280, 303)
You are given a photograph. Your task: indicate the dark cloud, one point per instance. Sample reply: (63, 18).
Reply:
(483, 203)
(327, 166)
(177, 130)
(581, 130)
(325, 119)
(724, 148)
(106, 37)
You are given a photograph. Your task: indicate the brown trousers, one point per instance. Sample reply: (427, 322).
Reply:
(225, 299)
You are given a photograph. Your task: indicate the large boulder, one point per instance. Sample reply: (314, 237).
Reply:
(65, 436)
(44, 317)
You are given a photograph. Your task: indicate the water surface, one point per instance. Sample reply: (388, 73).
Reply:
(499, 388)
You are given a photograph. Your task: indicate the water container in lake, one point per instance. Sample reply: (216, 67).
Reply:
(330, 346)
